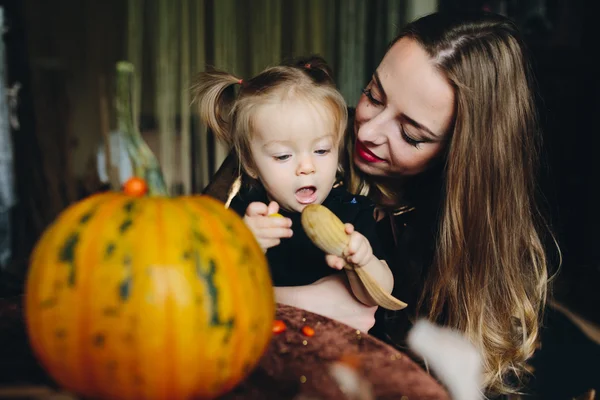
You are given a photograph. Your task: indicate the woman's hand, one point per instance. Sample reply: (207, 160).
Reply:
(358, 251)
(332, 297)
(267, 229)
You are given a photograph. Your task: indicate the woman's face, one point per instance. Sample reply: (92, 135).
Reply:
(404, 116)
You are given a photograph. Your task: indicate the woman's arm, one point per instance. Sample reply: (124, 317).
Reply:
(331, 297)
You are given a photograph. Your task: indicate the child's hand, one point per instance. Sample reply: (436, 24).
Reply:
(267, 230)
(358, 251)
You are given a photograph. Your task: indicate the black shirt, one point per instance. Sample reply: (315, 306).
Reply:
(409, 250)
(296, 261)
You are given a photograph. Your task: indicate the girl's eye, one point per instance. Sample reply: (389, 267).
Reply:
(282, 158)
(369, 93)
(410, 140)
(322, 151)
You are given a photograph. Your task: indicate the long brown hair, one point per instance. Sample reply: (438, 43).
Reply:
(489, 274)
(229, 116)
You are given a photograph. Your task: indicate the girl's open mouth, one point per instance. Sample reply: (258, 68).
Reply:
(306, 195)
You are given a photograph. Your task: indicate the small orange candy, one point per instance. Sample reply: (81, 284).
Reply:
(308, 331)
(135, 186)
(279, 326)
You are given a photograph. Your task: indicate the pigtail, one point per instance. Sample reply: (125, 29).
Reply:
(213, 92)
(314, 66)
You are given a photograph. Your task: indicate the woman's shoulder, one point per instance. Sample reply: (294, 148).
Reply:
(222, 181)
(248, 193)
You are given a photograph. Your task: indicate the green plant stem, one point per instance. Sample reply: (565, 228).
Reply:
(145, 164)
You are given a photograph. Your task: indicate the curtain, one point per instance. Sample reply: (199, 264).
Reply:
(169, 41)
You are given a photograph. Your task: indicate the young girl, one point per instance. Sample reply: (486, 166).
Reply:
(286, 126)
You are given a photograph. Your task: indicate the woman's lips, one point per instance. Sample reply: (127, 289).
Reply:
(365, 154)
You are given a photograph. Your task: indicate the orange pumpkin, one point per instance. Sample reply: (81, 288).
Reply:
(148, 297)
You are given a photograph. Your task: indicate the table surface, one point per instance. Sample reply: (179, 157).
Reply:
(293, 367)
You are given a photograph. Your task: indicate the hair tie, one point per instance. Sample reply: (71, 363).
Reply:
(307, 65)
(240, 81)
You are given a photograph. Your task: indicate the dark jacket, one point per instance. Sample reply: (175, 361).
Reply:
(296, 261)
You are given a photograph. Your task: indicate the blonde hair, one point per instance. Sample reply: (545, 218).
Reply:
(230, 117)
(489, 274)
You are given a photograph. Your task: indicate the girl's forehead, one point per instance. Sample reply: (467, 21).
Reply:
(293, 120)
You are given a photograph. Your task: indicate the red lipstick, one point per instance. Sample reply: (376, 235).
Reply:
(366, 154)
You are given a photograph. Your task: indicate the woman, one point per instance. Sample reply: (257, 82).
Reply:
(445, 141)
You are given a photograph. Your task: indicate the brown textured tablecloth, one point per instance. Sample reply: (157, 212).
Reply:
(294, 365)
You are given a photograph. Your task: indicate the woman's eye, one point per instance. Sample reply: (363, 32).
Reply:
(322, 151)
(282, 158)
(410, 140)
(369, 93)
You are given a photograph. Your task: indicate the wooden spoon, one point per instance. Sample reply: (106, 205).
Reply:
(328, 233)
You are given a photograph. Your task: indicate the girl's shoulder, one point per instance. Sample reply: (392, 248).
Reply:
(339, 196)
(351, 208)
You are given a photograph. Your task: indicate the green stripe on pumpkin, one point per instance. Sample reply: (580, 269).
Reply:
(66, 254)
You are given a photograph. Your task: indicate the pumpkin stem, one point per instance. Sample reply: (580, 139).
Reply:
(145, 164)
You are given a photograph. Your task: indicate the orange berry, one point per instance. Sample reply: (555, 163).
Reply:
(279, 326)
(135, 186)
(308, 331)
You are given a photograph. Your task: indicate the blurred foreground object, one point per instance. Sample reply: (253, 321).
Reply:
(138, 295)
(453, 359)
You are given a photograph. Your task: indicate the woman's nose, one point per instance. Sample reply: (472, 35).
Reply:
(305, 166)
(374, 130)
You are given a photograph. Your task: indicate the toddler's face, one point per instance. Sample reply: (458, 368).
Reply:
(295, 151)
